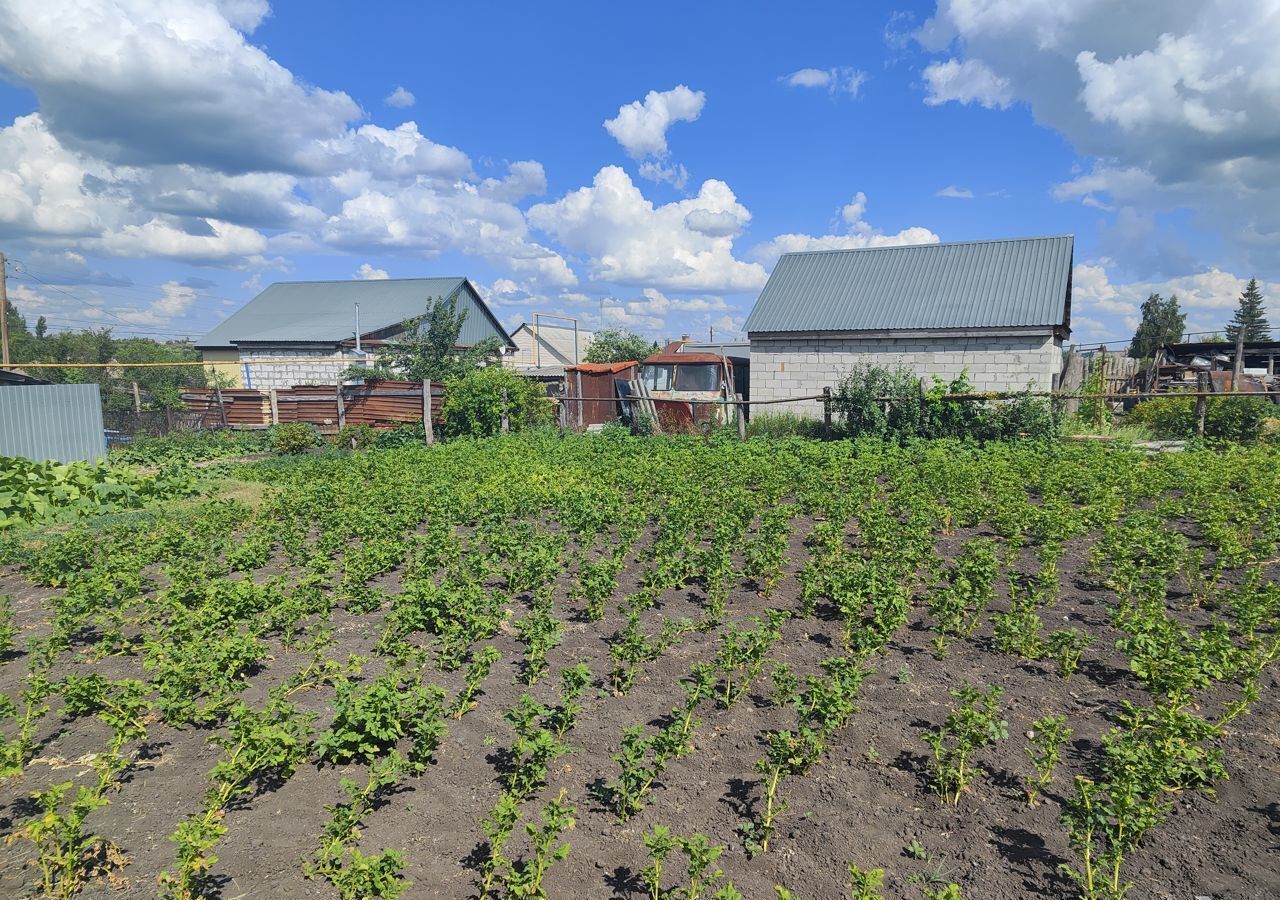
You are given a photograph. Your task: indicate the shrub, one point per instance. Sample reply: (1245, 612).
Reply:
(407, 435)
(50, 491)
(294, 437)
(892, 405)
(356, 437)
(473, 403)
(1240, 419)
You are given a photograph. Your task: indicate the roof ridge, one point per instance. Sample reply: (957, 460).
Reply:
(1009, 240)
(370, 280)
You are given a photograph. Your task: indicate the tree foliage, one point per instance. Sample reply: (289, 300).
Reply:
(619, 345)
(1163, 322)
(428, 350)
(1250, 316)
(159, 387)
(473, 402)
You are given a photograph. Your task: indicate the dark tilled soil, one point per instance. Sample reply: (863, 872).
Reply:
(866, 801)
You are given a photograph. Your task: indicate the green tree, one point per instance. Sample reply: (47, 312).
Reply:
(619, 345)
(1250, 316)
(473, 402)
(42, 328)
(1162, 323)
(428, 349)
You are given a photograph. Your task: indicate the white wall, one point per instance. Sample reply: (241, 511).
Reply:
(289, 374)
(799, 366)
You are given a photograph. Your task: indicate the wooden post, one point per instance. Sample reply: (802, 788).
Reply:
(428, 427)
(1237, 364)
(578, 379)
(137, 398)
(742, 420)
(275, 406)
(168, 420)
(222, 407)
(826, 412)
(563, 415)
(506, 424)
(342, 407)
(1202, 388)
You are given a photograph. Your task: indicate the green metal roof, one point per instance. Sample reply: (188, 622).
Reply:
(971, 284)
(290, 312)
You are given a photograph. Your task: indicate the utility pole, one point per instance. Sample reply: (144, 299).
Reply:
(4, 316)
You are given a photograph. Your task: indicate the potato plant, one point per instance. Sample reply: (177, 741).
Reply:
(492, 606)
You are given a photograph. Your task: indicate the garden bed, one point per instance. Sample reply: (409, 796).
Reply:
(419, 560)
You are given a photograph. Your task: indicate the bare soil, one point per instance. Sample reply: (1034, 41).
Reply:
(865, 803)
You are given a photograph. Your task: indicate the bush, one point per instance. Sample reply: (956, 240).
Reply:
(294, 437)
(409, 434)
(356, 437)
(891, 405)
(473, 403)
(1240, 419)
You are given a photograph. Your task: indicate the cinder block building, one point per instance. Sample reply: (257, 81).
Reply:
(998, 310)
(304, 332)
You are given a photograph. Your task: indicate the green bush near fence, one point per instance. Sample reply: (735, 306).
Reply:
(1240, 419)
(473, 403)
(890, 404)
(294, 437)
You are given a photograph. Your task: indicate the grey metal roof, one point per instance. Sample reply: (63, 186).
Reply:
(323, 311)
(969, 284)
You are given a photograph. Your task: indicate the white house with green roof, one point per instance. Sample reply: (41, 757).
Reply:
(996, 310)
(260, 344)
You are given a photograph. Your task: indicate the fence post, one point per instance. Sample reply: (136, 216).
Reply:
(826, 412)
(222, 407)
(1202, 402)
(275, 406)
(428, 427)
(506, 425)
(563, 414)
(742, 420)
(1237, 364)
(137, 398)
(342, 408)
(578, 379)
(168, 420)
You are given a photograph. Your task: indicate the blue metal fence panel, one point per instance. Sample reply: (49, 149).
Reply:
(51, 421)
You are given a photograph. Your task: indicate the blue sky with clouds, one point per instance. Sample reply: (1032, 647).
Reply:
(162, 161)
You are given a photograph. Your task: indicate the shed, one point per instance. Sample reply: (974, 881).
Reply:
(996, 310)
(542, 346)
(594, 383)
(316, 320)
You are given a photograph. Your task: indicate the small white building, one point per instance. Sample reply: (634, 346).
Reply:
(996, 310)
(539, 346)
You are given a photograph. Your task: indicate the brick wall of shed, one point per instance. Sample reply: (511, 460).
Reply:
(799, 366)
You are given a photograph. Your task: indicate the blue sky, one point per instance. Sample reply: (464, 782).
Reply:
(162, 161)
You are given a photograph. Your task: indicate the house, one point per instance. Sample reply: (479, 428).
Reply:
(316, 320)
(996, 310)
(539, 346)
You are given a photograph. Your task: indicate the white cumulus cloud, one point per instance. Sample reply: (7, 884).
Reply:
(836, 80)
(641, 126)
(857, 234)
(400, 98)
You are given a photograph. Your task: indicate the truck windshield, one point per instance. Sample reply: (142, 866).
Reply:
(697, 378)
(656, 377)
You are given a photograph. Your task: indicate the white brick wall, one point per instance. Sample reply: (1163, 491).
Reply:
(796, 366)
(289, 374)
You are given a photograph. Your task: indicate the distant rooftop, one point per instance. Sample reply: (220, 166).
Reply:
(324, 311)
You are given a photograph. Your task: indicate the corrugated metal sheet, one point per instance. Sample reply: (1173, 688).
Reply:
(383, 404)
(51, 421)
(324, 311)
(976, 284)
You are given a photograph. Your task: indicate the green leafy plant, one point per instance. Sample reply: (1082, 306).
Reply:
(865, 884)
(1066, 646)
(526, 876)
(293, 438)
(1045, 743)
(973, 723)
